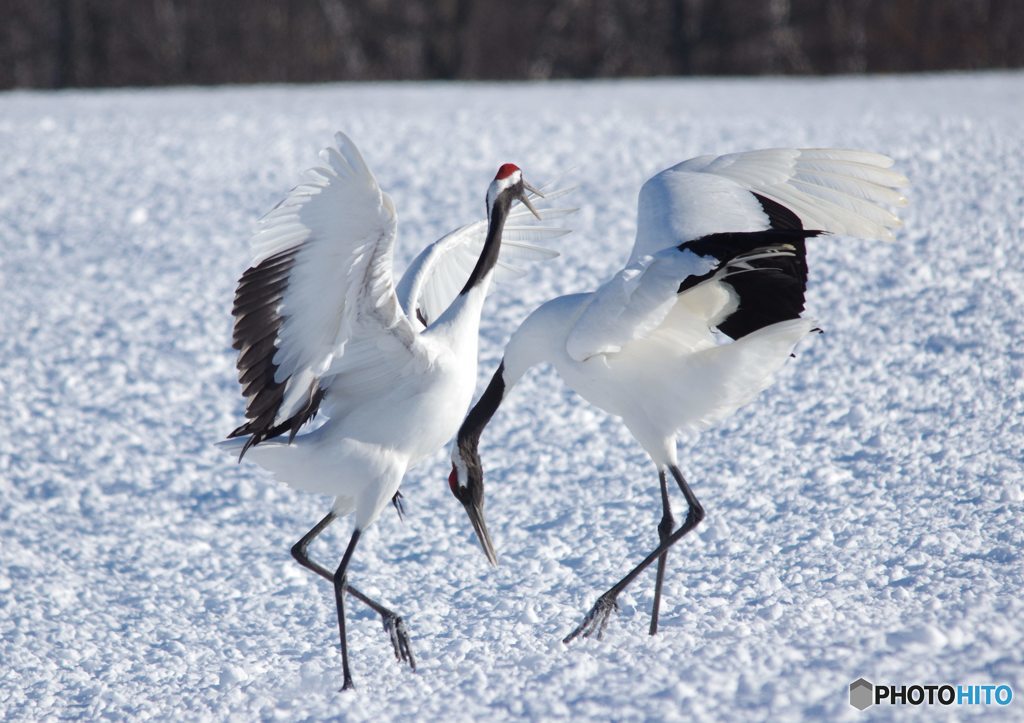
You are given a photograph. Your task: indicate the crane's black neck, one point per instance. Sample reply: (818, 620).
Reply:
(492, 245)
(480, 415)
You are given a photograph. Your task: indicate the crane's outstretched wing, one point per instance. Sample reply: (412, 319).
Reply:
(720, 244)
(320, 281)
(438, 273)
(835, 190)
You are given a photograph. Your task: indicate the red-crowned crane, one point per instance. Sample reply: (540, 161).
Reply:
(321, 326)
(705, 312)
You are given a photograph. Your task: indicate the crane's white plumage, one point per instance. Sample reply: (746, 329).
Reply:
(702, 317)
(341, 228)
(829, 189)
(321, 327)
(633, 303)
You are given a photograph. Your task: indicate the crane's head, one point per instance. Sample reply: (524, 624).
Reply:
(507, 186)
(467, 484)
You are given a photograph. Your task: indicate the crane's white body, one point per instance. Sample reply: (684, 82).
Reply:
(361, 455)
(675, 379)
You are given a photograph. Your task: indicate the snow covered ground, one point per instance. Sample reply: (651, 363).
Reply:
(864, 515)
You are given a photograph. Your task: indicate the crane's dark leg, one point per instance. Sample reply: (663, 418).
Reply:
(339, 598)
(394, 626)
(299, 548)
(664, 530)
(596, 620)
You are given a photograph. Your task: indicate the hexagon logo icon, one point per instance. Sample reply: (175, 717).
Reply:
(861, 694)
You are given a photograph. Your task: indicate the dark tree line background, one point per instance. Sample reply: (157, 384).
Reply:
(88, 43)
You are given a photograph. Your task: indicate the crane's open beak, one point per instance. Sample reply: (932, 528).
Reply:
(526, 201)
(475, 511)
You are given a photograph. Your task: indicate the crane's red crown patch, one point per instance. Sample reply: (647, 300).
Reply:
(505, 171)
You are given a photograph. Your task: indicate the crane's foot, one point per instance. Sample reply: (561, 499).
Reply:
(394, 626)
(348, 684)
(596, 620)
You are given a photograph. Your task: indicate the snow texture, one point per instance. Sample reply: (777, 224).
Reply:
(864, 514)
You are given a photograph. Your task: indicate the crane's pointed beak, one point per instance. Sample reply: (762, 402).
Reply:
(476, 516)
(526, 201)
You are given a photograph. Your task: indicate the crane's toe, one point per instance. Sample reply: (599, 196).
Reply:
(394, 626)
(596, 620)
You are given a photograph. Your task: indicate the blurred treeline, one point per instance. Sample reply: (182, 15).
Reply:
(81, 43)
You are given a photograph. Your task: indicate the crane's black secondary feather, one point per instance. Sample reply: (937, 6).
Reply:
(770, 288)
(258, 320)
(780, 218)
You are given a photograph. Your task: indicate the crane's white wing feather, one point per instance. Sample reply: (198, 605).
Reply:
(634, 302)
(438, 273)
(320, 280)
(840, 191)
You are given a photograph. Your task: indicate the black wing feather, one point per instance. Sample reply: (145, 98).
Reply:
(257, 325)
(773, 290)
(780, 218)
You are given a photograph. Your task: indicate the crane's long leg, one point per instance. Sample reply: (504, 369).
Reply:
(339, 598)
(664, 530)
(596, 620)
(394, 626)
